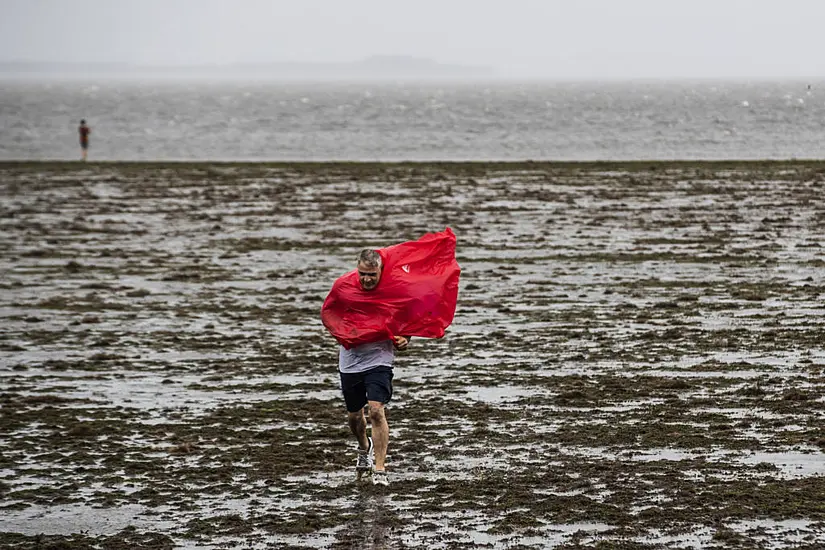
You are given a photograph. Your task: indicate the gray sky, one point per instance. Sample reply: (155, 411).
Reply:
(547, 38)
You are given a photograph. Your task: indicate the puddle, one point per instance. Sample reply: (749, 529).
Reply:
(65, 519)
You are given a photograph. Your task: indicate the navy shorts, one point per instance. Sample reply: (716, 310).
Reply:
(371, 385)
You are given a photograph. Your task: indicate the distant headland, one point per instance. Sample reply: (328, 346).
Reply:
(373, 67)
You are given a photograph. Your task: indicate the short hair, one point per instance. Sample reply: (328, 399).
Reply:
(370, 258)
(83, 121)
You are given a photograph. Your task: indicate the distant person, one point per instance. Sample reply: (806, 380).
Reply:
(84, 132)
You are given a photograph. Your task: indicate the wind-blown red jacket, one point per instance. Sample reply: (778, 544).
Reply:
(416, 295)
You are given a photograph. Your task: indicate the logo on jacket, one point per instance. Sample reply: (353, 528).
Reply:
(406, 268)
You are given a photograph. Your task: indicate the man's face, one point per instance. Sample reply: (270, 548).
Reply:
(368, 276)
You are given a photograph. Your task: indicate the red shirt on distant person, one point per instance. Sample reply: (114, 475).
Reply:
(84, 132)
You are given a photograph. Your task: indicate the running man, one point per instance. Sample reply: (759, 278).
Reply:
(366, 379)
(410, 288)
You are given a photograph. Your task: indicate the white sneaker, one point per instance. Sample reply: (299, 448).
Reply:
(365, 459)
(379, 477)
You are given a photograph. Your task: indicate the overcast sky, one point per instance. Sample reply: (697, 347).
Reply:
(546, 38)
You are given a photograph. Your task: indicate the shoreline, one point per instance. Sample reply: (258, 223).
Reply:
(489, 164)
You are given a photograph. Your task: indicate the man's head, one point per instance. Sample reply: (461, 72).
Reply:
(369, 269)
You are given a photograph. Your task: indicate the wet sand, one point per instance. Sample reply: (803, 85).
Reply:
(636, 361)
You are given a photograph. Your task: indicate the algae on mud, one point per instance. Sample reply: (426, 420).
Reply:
(636, 361)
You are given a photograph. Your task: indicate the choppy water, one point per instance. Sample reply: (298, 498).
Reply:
(199, 120)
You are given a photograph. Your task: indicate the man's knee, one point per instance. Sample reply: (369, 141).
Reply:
(376, 411)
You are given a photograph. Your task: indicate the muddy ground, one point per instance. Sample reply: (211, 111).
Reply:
(636, 361)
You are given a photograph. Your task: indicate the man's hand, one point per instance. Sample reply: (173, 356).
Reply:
(400, 342)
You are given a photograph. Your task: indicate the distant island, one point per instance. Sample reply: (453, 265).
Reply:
(374, 67)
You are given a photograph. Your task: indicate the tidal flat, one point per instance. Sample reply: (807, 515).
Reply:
(637, 359)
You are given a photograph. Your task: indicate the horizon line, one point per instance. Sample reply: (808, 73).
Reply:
(369, 70)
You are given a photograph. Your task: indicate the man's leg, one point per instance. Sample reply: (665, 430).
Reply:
(358, 426)
(352, 387)
(380, 433)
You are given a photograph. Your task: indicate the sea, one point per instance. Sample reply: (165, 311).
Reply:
(255, 120)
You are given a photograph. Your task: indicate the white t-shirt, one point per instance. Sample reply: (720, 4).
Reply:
(366, 356)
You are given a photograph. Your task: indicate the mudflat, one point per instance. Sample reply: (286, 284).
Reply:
(637, 359)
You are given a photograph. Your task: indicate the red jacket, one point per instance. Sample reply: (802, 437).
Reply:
(416, 295)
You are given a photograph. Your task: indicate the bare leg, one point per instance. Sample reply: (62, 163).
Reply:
(380, 433)
(358, 426)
